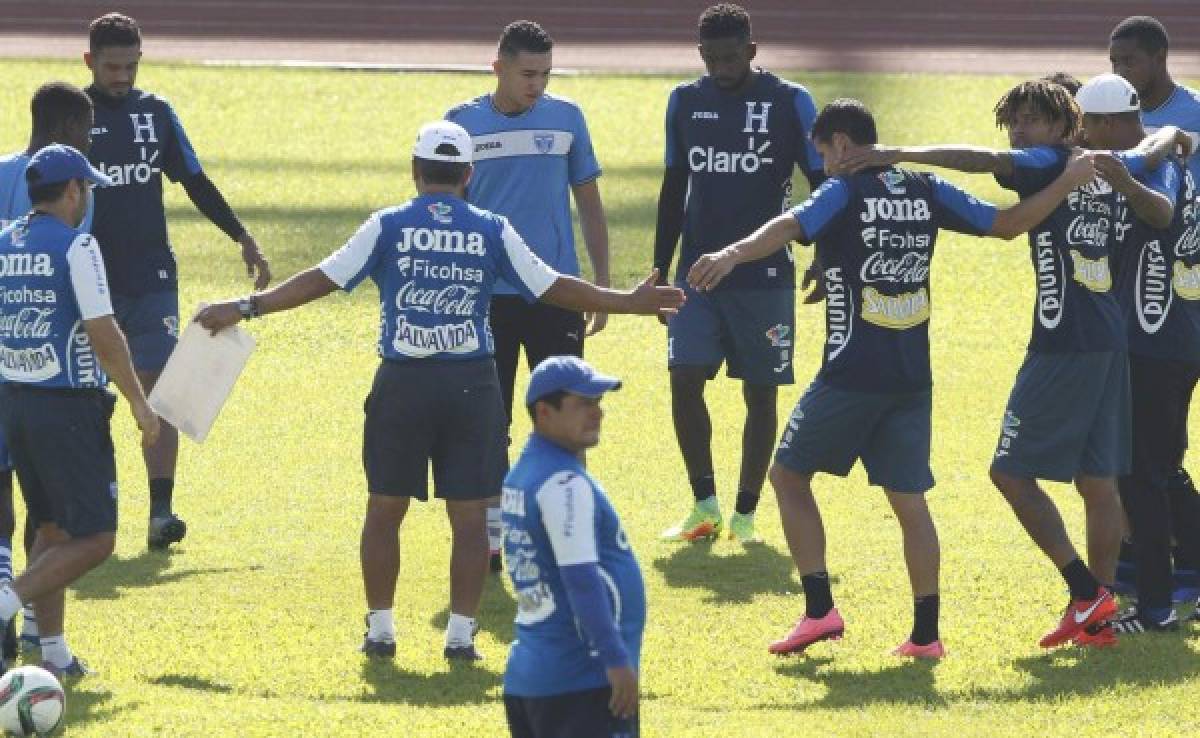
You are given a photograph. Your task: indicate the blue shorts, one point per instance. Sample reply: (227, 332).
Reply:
(832, 428)
(752, 330)
(150, 323)
(63, 455)
(1068, 416)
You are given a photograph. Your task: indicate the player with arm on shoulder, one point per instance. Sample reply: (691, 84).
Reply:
(874, 232)
(734, 139)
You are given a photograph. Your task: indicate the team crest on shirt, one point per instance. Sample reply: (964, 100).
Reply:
(440, 212)
(893, 181)
(778, 335)
(543, 142)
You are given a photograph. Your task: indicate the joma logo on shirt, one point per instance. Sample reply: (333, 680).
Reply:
(440, 241)
(26, 265)
(883, 208)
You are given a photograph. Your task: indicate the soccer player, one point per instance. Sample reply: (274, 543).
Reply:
(61, 113)
(1138, 49)
(1067, 417)
(533, 153)
(871, 401)
(581, 603)
(436, 398)
(136, 139)
(59, 344)
(1157, 272)
(734, 137)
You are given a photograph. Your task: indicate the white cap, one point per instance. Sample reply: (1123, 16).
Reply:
(1106, 94)
(443, 141)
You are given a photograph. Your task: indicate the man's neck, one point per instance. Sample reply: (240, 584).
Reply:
(36, 144)
(435, 190)
(59, 209)
(1160, 91)
(507, 105)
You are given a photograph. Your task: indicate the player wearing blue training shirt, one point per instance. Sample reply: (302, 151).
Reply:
(1157, 273)
(875, 232)
(59, 344)
(61, 113)
(136, 139)
(1067, 418)
(581, 602)
(436, 398)
(1138, 49)
(734, 139)
(532, 153)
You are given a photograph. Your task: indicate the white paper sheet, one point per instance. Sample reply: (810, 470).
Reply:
(199, 376)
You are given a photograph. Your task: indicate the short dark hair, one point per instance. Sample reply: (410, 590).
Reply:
(56, 103)
(441, 172)
(725, 20)
(1047, 98)
(849, 116)
(43, 193)
(113, 29)
(1069, 81)
(554, 400)
(1145, 31)
(524, 35)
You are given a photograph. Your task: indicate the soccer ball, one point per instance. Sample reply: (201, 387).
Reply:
(31, 702)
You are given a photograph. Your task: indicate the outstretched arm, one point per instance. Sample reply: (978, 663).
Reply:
(960, 158)
(1020, 218)
(301, 289)
(1155, 208)
(648, 298)
(710, 269)
(1162, 143)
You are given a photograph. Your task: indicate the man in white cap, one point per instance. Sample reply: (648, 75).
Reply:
(435, 260)
(1156, 266)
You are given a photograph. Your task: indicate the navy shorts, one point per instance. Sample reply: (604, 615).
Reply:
(150, 323)
(831, 428)
(444, 414)
(544, 330)
(62, 453)
(753, 331)
(1068, 416)
(582, 714)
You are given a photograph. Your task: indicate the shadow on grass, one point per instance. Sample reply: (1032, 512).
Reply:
(758, 569)
(186, 681)
(461, 684)
(908, 682)
(148, 568)
(496, 610)
(87, 706)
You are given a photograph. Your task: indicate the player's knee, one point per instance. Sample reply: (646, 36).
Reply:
(385, 510)
(688, 381)
(760, 397)
(787, 482)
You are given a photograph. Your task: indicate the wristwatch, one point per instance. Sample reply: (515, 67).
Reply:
(248, 307)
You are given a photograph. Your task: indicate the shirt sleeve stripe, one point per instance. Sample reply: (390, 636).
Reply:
(347, 266)
(568, 508)
(89, 281)
(532, 271)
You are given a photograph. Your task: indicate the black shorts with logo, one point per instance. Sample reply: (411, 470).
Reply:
(544, 331)
(447, 413)
(62, 452)
(570, 715)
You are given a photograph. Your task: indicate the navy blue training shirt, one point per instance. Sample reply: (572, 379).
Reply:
(740, 152)
(135, 140)
(875, 233)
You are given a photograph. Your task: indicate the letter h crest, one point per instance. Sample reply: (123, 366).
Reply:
(143, 124)
(756, 116)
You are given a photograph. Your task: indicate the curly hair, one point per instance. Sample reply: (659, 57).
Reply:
(1047, 98)
(725, 20)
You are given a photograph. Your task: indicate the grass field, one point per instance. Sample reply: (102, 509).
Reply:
(250, 627)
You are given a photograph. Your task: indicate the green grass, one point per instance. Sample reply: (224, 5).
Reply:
(250, 627)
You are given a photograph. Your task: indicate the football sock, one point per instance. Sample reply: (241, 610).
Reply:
(709, 504)
(380, 625)
(818, 600)
(704, 487)
(495, 529)
(460, 630)
(160, 497)
(10, 603)
(1080, 581)
(925, 619)
(746, 502)
(29, 622)
(6, 558)
(56, 651)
